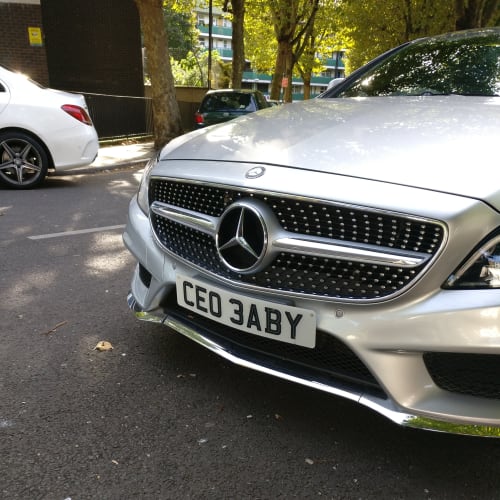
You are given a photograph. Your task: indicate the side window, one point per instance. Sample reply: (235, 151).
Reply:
(261, 100)
(245, 102)
(4, 99)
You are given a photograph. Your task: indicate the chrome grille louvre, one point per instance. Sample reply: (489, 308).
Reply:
(293, 272)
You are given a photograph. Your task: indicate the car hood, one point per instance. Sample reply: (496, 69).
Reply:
(442, 143)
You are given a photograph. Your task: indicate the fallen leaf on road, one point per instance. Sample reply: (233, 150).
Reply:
(103, 345)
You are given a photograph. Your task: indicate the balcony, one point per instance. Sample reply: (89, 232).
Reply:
(217, 31)
(224, 53)
(249, 76)
(333, 63)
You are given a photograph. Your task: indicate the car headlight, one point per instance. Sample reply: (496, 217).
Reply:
(142, 194)
(481, 270)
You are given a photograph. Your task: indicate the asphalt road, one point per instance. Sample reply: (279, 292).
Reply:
(158, 417)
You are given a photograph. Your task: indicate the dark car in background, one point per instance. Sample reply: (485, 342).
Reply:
(222, 105)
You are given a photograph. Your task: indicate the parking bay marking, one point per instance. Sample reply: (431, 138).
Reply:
(72, 233)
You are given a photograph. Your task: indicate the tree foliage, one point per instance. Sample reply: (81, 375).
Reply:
(365, 29)
(192, 71)
(182, 35)
(368, 29)
(260, 41)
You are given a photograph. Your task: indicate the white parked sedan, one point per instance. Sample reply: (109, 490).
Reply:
(41, 129)
(350, 243)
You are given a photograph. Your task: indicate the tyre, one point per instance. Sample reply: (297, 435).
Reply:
(23, 161)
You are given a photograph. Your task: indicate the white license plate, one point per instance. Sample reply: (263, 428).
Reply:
(259, 317)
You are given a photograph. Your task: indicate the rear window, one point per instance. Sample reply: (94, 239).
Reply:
(228, 102)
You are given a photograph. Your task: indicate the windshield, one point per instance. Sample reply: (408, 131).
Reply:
(441, 66)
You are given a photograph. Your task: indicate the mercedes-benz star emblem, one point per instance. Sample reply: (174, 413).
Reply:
(255, 172)
(242, 237)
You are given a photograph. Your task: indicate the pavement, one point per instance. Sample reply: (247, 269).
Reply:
(116, 156)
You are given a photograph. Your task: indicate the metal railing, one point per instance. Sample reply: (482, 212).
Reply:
(120, 116)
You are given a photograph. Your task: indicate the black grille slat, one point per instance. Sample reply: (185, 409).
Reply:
(296, 273)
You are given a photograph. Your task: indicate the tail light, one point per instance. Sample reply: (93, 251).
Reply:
(77, 112)
(198, 118)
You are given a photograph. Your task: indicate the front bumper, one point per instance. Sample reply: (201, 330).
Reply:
(382, 406)
(390, 341)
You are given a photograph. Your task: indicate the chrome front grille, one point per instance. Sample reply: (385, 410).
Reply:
(297, 272)
(307, 217)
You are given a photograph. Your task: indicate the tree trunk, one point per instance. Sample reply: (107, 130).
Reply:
(307, 87)
(475, 13)
(289, 64)
(237, 42)
(166, 115)
(283, 69)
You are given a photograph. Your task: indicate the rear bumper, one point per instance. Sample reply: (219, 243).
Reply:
(75, 148)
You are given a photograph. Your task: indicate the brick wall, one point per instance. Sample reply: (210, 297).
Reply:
(15, 50)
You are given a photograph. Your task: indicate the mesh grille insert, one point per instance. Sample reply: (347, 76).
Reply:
(473, 374)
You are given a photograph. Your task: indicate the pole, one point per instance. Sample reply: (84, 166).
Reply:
(210, 22)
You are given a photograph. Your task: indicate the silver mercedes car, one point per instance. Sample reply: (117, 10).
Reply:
(350, 243)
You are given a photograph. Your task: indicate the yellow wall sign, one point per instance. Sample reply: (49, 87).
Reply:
(35, 36)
